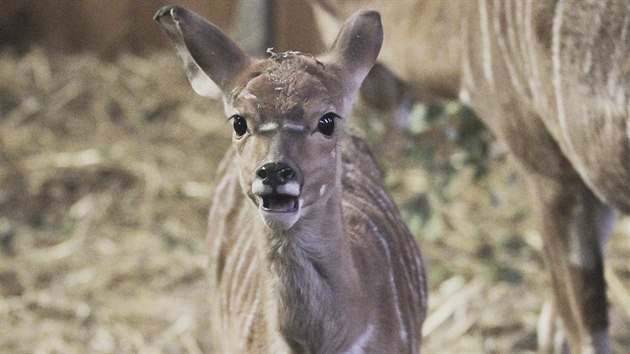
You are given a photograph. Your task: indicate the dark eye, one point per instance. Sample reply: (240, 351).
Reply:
(326, 124)
(240, 125)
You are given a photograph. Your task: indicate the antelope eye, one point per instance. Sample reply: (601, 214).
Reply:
(326, 124)
(240, 125)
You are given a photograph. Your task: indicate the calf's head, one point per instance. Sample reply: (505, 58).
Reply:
(286, 111)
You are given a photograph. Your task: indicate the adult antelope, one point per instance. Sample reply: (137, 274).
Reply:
(551, 79)
(308, 252)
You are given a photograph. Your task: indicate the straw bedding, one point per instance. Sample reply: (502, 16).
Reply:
(106, 170)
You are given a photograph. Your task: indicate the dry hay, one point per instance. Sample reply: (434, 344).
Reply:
(106, 169)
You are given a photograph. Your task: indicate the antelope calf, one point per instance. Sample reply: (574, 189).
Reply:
(551, 79)
(308, 252)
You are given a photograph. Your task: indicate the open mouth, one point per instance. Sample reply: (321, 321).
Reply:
(279, 203)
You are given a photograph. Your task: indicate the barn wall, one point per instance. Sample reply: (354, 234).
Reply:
(114, 26)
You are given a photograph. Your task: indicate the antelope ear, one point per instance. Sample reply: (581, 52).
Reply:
(357, 46)
(209, 57)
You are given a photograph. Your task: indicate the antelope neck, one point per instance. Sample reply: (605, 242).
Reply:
(317, 282)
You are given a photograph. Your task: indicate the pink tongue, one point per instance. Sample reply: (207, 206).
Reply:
(279, 203)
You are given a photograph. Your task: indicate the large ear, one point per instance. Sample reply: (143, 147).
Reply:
(208, 55)
(357, 46)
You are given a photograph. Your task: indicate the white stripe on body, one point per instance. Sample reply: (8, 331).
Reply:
(485, 43)
(358, 347)
(388, 256)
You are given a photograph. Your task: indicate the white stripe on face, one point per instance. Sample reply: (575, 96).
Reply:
(268, 127)
(273, 126)
(295, 127)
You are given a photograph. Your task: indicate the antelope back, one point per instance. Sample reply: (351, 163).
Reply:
(565, 75)
(421, 46)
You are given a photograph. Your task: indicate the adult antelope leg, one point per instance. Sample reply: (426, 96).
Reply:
(574, 226)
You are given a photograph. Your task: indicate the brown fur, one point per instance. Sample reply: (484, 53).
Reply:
(346, 275)
(551, 79)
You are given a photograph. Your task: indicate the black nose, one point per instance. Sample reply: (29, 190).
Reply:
(275, 173)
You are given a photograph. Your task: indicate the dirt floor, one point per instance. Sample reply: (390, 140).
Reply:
(106, 170)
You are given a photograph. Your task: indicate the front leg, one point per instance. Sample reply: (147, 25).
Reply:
(574, 225)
